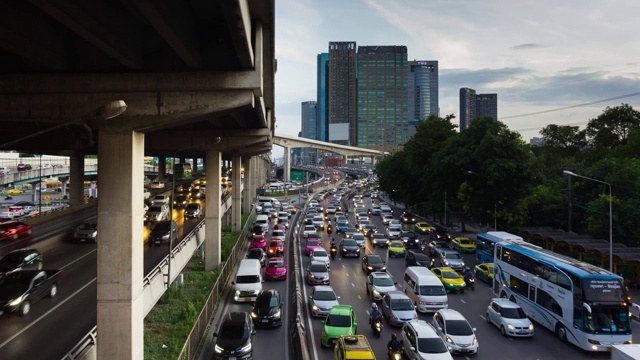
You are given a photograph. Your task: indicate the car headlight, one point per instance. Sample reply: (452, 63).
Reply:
(358, 249)
(376, 292)
(254, 315)
(446, 262)
(219, 349)
(311, 276)
(384, 268)
(277, 314)
(16, 301)
(246, 348)
(531, 327)
(314, 308)
(511, 327)
(475, 340)
(369, 268)
(449, 340)
(462, 265)
(323, 334)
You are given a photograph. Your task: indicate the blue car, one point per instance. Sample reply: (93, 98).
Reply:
(341, 226)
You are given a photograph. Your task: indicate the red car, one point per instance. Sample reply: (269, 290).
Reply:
(311, 244)
(258, 241)
(13, 229)
(276, 248)
(276, 269)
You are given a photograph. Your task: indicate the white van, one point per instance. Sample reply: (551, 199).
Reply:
(263, 220)
(275, 202)
(248, 282)
(425, 289)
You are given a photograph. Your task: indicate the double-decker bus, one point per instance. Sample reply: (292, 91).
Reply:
(486, 242)
(582, 303)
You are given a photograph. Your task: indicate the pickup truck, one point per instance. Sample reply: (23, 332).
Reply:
(20, 289)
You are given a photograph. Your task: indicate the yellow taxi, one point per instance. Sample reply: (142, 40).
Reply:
(484, 272)
(451, 280)
(397, 249)
(14, 192)
(463, 245)
(292, 209)
(352, 347)
(422, 228)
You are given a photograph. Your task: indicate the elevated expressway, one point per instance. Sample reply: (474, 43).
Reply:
(289, 142)
(125, 79)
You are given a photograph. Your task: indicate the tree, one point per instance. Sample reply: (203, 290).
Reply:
(612, 128)
(563, 137)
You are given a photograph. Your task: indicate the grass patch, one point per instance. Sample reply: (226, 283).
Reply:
(172, 318)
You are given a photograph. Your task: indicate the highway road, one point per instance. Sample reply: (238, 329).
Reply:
(56, 325)
(348, 280)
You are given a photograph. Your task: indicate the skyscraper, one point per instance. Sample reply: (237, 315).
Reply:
(309, 118)
(382, 97)
(342, 92)
(474, 105)
(422, 99)
(322, 92)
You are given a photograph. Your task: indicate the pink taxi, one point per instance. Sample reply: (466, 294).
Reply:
(258, 241)
(312, 243)
(276, 269)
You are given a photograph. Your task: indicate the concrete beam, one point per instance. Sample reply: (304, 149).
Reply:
(80, 17)
(176, 26)
(238, 21)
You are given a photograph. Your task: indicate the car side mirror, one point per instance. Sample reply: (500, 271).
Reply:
(322, 322)
(474, 329)
(412, 348)
(395, 283)
(233, 283)
(215, 334)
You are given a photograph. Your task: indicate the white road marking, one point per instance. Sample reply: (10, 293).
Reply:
(464, 302)
(353, 285)
(359, 297)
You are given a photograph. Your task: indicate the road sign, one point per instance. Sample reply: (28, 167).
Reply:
(297, 175)
(47, 197)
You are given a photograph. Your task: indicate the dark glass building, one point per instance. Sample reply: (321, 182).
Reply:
(382, 97)
(309, 119)
(422, 100)
(342, 92)
(322, 97)
(474, 105)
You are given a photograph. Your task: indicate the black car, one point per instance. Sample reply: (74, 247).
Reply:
(163, 232)
(234, 338)
(372, 262)
(180, 201)
(23, 259)
(349, 247)
(267, 310)
(408, 217)
(256, 230)
(440, 232)
(194, 211)
(258, 254)
(417, 258)
(410, 240)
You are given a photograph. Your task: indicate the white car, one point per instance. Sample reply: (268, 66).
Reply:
(386, 219)
(378, 284)
(394, 232)
(308, 229)
(320, 254)
(422, 342)
(160, 199)
(634, 310)
(318, 221)
(278, 235)
(156, 185)
(509, 318)
(456, 331)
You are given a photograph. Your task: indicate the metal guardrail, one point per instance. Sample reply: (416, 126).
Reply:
(297, 331)
(86, 348)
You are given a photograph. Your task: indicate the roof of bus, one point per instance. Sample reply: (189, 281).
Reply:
(499, 236)
(563, 262)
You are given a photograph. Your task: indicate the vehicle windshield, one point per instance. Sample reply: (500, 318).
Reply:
(192, 207)
(431, 346)
(276, 264)
(343, 222)
(267, 301)
(358, 236)
(88, 226)
(254, 254)
(464, 241)
(401, 305)
(459, 327)
(247, 279)
(374, 259)
(313, 243)
(432, 290)
(338, 321)
(452, 255)
(318, 268)
(350, 243)
(233, 332)
(319, 253)
(608, 320)
(275, 244)
(324, 295)
(450, 275)
(383, 281)
(513, 313)
(14, 258)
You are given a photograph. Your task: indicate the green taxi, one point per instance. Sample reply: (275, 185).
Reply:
(463, 245)
(422, 227)
(451, 280)
(341, 320)
(397, 249)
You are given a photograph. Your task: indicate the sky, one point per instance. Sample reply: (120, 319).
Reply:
(549, 61)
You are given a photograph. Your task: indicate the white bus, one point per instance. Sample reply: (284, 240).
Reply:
(582, 303)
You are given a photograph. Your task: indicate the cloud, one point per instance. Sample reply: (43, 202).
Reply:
(526, 46)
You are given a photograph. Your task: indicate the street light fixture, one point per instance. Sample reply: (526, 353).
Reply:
(570, 173)
(212, 141)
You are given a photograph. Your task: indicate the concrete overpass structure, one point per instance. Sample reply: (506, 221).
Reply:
(125, 79)
(289, 142)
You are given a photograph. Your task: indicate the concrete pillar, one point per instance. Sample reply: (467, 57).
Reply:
(236, 194)
(212, 220)
(63, 180)
(120, 311)
(287, 165)
(249, 190)
(76, 170)
(35, 195)
(162, 165)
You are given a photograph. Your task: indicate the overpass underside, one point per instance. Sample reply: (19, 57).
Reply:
(129, 79)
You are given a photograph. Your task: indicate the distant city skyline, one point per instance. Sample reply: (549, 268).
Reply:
(537, 56)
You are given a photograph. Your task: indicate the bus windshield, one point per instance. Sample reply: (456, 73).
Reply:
(608, 320)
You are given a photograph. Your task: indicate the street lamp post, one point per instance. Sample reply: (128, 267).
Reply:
(570, 173)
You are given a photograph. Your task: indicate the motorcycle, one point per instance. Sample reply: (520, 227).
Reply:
(471, 282)
(329, 229)
(334, 252)
(376, 326)
(8, 197)
(395, 355)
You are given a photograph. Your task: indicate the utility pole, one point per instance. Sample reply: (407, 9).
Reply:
(569, 225)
